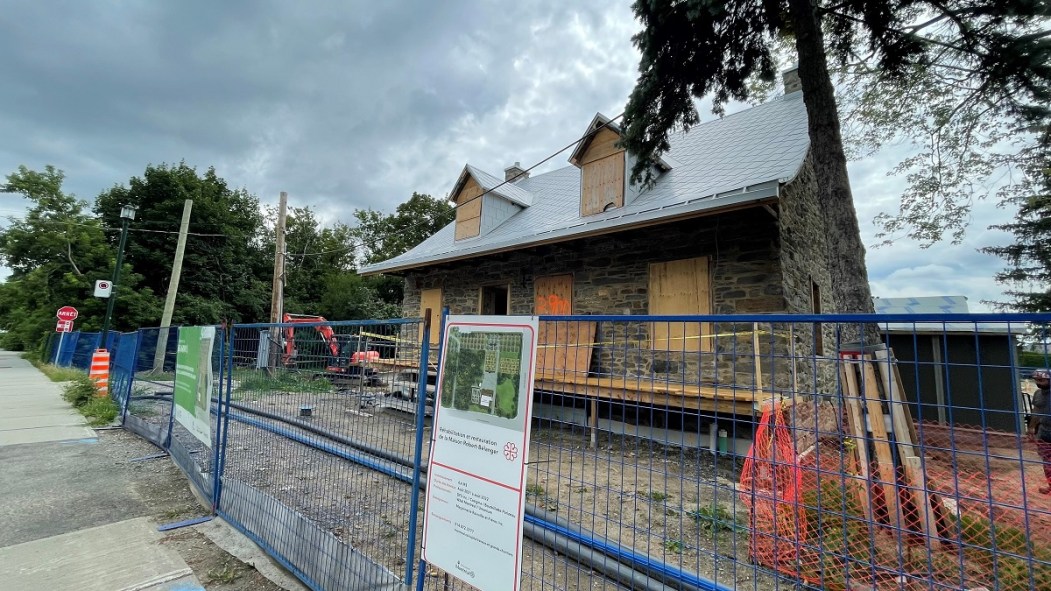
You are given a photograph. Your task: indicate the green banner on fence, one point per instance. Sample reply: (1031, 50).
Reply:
(193, 381)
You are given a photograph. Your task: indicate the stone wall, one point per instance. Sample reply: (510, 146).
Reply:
(804, 263)
(611, 277)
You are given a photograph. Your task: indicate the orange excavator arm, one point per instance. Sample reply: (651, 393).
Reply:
(324, 330)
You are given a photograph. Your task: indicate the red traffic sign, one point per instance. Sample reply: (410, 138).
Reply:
(67, 313)
(64, 326)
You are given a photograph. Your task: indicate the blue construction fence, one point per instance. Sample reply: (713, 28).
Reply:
(667, 452)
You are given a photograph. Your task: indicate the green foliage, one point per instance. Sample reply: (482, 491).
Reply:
(382, 237)
(100, 411)
(657, 496)
(56, 252)
(1033, 359)
(229, 267)
(715, 518)
(676, 546)
(261, 383)
(1028, 275)
(79, 391)
(59, 374)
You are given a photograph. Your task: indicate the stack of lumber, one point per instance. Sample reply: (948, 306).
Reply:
(886, 451)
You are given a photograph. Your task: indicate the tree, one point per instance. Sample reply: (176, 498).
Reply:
(230, 266)
(56, 252)
(695, 48)
(383, 237)
(1029, 258)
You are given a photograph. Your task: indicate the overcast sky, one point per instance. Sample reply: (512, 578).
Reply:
(349, 104)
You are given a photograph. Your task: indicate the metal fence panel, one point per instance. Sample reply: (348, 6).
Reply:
(83, 348)
(149, 408)
(122, 372)
(68, 345)
(319, 447)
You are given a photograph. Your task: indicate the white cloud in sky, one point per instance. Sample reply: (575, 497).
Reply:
(357, 104)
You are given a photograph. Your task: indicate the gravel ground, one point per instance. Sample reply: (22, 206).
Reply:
(678, 506)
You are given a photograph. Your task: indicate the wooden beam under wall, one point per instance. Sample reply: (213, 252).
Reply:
(758, 357)
(856, 423)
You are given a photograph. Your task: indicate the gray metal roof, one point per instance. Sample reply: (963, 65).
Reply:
(740, 158)
(496, 186)
(937, 305)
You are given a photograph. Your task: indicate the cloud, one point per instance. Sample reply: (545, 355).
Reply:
(357, 104)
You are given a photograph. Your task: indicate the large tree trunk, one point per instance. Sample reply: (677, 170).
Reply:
(846, 253)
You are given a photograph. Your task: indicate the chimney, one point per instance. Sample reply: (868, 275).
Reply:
(515, 173)
(791, 80)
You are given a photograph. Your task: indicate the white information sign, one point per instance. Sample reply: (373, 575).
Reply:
(103, 288)
(472, 525)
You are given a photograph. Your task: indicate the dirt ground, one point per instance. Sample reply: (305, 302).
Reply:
(678, 506)
(166, 497)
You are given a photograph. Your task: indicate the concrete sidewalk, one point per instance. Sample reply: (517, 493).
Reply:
(68, 522)
(31, 406)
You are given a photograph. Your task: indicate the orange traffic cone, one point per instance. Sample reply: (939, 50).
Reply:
(99, 372)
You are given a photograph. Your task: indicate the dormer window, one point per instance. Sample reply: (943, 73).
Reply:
(601, 165)
(468, 210)
(483, 201)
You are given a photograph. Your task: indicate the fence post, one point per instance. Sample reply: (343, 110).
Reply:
(224, 416)
(421, 410)
(218, 421)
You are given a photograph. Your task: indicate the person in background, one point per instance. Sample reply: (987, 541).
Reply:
(1040, 422)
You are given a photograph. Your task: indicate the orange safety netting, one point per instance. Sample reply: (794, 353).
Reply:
(970, 517)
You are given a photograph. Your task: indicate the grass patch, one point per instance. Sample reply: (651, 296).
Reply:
(675, 546)
(657, 496)
(59, 374)
(715, 518)
(81, 393)
(534, 490)
(259, 382)
(224, 574)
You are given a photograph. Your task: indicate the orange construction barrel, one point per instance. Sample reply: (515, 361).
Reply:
(99, 372)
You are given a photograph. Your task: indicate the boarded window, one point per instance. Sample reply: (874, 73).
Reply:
(602, 185)
(602, 174)
(431, 298)
(681, 287)
(564, 348)
(468, 210)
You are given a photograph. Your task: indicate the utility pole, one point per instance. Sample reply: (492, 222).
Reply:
(277, 302)
(173, 288)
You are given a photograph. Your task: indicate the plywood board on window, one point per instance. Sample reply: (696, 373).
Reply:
(565, 348)
(468, 210)
(604, 144)
(431, 298)
(681, 287)
(602, 184)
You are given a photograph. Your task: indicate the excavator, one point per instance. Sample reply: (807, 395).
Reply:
(347, 354)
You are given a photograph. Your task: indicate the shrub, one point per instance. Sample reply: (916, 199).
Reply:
(79, 391)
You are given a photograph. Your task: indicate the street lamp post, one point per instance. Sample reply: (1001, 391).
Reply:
(127, 213)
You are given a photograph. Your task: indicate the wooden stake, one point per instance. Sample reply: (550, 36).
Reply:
(758, 363)
(594, 423)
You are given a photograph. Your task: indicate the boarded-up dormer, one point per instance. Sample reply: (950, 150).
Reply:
(483, 202)
(601, 165)
(468, 210)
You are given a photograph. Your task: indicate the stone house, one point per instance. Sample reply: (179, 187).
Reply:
(729, 226)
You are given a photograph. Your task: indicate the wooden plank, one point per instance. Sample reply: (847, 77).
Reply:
(921, 499)
(858, 434)
(553, 294)
(905, 434)
(680, 287)
(602, 185)
(602, 145)
(432, 298)
(881, 443)
(468, 210)
(896, 390)
(758, 358)
(564, 349)
(721, 405)
(660, 387)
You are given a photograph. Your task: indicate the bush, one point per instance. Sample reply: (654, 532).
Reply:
(82, 394)
(79, 391)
